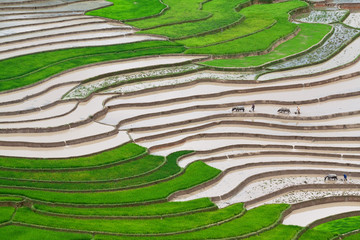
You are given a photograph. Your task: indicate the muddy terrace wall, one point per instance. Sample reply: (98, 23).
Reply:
(253, 90)
(249, 135)
(307, 187)
(258, 124)
(58, 144)
(354, 6)
(247, 181)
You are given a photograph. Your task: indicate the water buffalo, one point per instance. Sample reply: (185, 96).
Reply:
(283, 110)
(331, 177)
(238, 109)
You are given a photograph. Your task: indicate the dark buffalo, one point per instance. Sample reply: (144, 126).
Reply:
(331, 177)
(283, 110)
(238, 109)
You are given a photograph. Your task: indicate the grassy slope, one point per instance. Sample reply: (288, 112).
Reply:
(340, 226)
(195, 174)
(257, 42)
(248, 26)
(129, 9)
(312, 234)
(111, 174)
(179, 11)
(309, 35)
(280, 232)
(223, 14)
(121, 153)
(257, 18)
(38, 66)
(262, 40)
(251, 221)
(157, 209)
(28, 233)
(131, 226)
(10, 198)
(352, 237)
(6, 213)
(126, 169)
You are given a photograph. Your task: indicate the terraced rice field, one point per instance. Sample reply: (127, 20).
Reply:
(116, 120)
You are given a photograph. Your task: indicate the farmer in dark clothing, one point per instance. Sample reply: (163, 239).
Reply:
(253, 107)
(345, 177)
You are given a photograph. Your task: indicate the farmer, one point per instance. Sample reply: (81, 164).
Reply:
(253, 107)
(298, 110)
(345, 177)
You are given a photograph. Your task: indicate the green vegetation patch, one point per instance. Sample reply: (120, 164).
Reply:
(6, 214)
(169, 169)
(122, 153)
(253, 220)
(162, 172)
(223, 14)
(280, 232)
(248, 26)
(309, 35)
(157, 209)
(262, 40)
(10, 199)
(131, 226)
(196, 173)
(127, 169)
(129, 9)
(312, 234)
(28, 233)
(352, 237)
(248, 44)
(340, 226)
(180, 11)
(38, 66)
